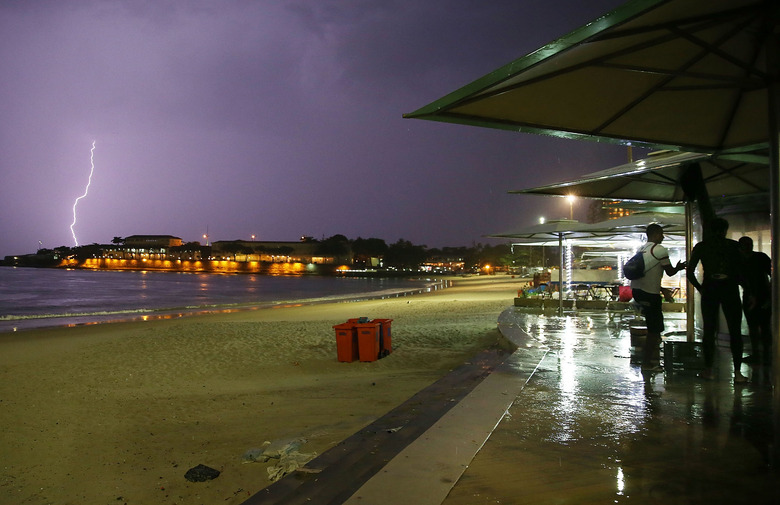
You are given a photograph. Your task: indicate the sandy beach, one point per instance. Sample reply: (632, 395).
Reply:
(118, 412)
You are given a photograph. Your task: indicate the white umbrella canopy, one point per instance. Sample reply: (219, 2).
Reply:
(553, 229)
(620, 234)
(616, 242)
(637, 223)
(658, 178)
(621, 242)
(556, 228)
(614, 233)
(626, 232)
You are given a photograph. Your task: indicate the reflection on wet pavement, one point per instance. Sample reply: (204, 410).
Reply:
(590, 427)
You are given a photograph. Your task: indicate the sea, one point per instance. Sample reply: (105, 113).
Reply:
(45, 297)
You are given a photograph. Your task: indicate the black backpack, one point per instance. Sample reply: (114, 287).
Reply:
(634, 268)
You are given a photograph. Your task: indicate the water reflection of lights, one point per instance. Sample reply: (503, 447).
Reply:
(621, 483)
(540, 332)
(589, 323)
(568, 382)
(532, 324)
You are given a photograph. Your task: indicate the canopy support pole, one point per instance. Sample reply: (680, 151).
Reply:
(773, 98)
(690, 301)
(560, 275)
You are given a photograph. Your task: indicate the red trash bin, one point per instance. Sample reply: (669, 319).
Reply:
(385, 336)
(346, 342)
(368, 340)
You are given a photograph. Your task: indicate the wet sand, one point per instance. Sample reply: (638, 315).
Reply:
(117, 413)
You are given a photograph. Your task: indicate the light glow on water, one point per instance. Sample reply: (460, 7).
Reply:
(621, 483)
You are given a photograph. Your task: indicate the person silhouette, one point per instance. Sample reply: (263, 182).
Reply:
(722, 266)
(757, 301)
(647, 293)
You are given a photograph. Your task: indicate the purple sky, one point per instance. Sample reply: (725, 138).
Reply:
(273, 118)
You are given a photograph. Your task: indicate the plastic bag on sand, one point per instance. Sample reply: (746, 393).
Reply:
(288, 463)
(273, 450)
(286, 451)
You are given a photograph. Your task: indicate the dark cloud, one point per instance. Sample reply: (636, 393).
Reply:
(271, 118)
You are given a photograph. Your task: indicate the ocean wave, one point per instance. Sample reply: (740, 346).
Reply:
(13, 317)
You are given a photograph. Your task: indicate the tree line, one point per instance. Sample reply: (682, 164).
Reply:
(403, 254)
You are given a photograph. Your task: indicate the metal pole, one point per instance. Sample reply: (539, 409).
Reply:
(690, 301)
(773, 96)
(560, 274)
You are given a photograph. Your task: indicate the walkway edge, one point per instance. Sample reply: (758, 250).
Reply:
(426, 470)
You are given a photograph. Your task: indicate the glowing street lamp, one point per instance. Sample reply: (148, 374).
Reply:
(253, 238)
(571, 199)
(541, 220)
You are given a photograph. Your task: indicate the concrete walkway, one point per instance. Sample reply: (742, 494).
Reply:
(566, 418)
(591, 427)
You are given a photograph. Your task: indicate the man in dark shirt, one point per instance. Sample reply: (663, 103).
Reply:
(721, 262)
(757, 301)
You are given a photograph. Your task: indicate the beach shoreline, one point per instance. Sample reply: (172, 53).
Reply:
(157, 298)
(118, 412)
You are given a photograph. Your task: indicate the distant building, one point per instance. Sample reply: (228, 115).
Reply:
(142, 247)
(444, 264)
(155, 241)
(169, 248)
(614, 211)
(272, 252)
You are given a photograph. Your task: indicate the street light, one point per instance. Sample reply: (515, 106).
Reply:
(571, 199)
(253, 238)
(541, 220)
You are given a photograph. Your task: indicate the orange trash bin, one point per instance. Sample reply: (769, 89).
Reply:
(385, 336)
(368, 340)
(346, 342)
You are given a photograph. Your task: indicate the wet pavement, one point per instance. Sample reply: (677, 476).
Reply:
(567, 418)
(591, 427)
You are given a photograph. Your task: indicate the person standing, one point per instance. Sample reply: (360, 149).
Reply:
(647, 293)
(722, 272)
(757, 301)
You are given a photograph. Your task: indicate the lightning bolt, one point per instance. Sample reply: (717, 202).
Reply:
(86, 190)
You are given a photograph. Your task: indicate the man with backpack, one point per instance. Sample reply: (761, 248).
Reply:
(647, 293)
